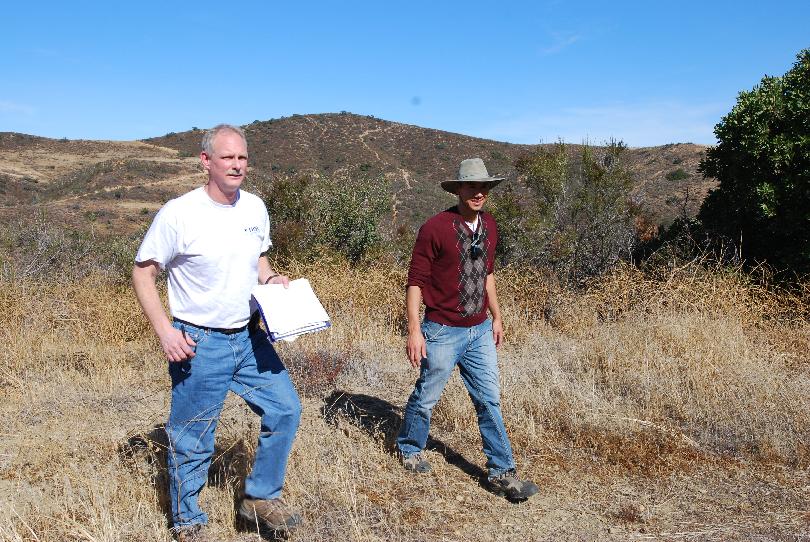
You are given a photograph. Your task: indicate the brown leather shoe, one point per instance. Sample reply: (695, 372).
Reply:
(271, 514)
(416, 463)
(510, 486)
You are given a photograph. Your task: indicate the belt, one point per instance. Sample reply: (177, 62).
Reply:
(252, 325)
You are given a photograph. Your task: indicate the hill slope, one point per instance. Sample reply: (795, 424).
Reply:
(117, 185)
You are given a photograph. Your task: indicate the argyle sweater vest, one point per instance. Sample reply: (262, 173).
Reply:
(452, 279)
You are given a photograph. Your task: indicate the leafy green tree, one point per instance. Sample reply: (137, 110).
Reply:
(578, 217)
(762, 162)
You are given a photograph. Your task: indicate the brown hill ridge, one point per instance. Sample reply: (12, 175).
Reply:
(117, 185)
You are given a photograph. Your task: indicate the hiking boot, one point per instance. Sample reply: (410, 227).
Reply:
(191, 533)
(416, 463)
(510, 486)
(271, 514)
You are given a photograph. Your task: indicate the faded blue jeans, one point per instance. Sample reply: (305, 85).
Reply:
(473, 350)
(247, 364)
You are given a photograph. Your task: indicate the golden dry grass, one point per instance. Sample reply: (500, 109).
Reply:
(647, 406)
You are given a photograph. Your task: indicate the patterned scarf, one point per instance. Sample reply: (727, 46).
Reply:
(472, 272)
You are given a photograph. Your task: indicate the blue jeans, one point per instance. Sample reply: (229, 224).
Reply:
(473, 349)
(247, 364)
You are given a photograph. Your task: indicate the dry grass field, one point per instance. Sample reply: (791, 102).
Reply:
(669, 405)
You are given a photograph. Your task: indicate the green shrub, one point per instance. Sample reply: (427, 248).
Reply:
(498, 156)
(677, 175)
(576, 217)
(311, 214)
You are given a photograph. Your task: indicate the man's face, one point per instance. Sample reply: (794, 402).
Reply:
(472, 195)
(227, 164)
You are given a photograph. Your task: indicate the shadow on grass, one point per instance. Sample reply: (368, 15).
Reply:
(379, 418)
(145, 454)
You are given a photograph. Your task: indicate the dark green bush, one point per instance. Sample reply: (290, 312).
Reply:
(677, 175)
(310, 214)
(762, 162)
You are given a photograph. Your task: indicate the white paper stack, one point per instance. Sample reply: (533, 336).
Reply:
(290, 312)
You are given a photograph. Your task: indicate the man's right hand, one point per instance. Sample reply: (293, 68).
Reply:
(177, 345)
(416, 349)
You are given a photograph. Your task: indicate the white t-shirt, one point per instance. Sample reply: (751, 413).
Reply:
(211, 254)
(474, 224)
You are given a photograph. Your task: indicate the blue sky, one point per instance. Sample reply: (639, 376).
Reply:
(648, 73)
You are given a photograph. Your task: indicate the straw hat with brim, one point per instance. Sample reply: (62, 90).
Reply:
(471, 170)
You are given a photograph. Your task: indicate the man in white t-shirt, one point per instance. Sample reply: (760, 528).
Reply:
(212, 243)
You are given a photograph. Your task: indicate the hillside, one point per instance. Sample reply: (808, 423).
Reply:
(115, 186)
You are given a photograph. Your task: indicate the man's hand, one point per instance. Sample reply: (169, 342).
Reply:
(497, 332)
(416, 348)
(177, 345)
(284, 280)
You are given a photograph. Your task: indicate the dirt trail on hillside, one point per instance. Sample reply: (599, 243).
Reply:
(363, 136)
(177, 180)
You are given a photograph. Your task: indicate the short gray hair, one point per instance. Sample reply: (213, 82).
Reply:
(208, 138)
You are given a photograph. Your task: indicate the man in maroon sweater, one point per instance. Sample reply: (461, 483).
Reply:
(452, 272)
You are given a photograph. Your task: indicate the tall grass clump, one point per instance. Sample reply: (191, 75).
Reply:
(37, 248)
(707, 357)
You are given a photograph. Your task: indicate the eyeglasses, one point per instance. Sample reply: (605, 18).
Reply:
(475, 247)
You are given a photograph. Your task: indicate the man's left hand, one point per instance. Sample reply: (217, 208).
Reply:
(497, 332)
(284, 280)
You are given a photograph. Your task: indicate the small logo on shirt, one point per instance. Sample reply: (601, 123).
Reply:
(252, 229)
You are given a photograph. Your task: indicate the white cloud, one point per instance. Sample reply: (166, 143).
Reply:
(638, 125)
(560, 41)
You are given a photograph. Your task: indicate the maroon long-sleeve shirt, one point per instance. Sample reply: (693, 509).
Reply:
(453, 282)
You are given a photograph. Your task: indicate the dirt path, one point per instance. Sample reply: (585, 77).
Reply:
(363, 136)
(177, 180)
